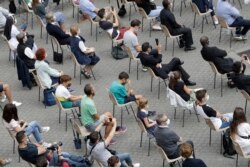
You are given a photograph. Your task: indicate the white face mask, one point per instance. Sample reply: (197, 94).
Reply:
(168, 122)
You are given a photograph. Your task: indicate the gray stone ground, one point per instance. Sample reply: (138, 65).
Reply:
(107, 71)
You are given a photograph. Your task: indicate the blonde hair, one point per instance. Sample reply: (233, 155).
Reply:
(186, 150)
(142, 103)
(74, 29)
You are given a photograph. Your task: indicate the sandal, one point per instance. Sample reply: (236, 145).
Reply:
(86, 74)
(6, 162)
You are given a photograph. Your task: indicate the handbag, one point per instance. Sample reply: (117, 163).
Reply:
(77, 141)
(58, 57)
(113, 152)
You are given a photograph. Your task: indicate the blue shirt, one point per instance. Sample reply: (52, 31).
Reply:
(227, 11)
(119, 91)
(88, 7)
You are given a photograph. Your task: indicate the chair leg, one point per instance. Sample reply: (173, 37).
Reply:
(91, 26)
(137, 70)
(183, 118)
(163, 164)
(59, 116)
(148, 146)
(74, 70)
(96, 31)
(214, 80)
(113, 110)
(181, 8)
(221, 143)
(80, 76)
(179, 163)
(66, 119)
(174, 113)
(246, 107)
(14, 146)
(151, 84)
(73, 13)
(221, 87)
(41, 32)
(129, 65)
(210, 134)
(173, 48)
(133, 112)
(213, 22)
(237, 157)
(240, 4)
(220, 34)
(129, 17)
(142, 24)
(166, 41)
(231, 36)
(202, 24)
(150, 28)
(159, 84)
(141, 138)
(92, 74)
(194, 19)
(121, 116)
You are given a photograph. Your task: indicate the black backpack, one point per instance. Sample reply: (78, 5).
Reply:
(228, 144)
(122, 10)
(12, 7)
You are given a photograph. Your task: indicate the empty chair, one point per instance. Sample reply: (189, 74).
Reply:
(130, 3)
(43, 25)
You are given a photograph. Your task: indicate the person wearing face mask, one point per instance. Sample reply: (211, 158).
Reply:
(218, 119)
(143, 115)
(84, 55)
(24, 51)
(167, 139)
(120, 92)
(47, 75)
(168, 20)
(63, 95)
(154, 61)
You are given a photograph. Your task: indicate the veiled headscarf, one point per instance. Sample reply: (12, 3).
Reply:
(8, 27)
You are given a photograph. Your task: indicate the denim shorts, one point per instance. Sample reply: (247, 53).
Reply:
(92, 127)
(1, 87)
(129, 99)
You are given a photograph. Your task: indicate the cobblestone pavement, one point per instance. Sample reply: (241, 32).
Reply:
(107, 71)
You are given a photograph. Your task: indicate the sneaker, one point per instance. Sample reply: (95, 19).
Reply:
(156, 27)
(216, 22)
(136, 165)
(112, 142)
(238, 37)
(120, 130)
(144, 69)
(16, 103)
(3, 98)
(244, 37)
(45, 129)
(46, 144)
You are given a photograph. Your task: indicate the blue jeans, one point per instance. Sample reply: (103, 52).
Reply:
(35, 129)
(73, 160)
(240, 22)
(225, 123)
(125, 157)
(156, 12)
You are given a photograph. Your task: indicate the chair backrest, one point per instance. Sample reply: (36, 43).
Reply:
(129, 52)
(210, 124)
(58, 102)
(143, 13)
(40, 20)
(245, 94)
(5, 39)
(91, 20)
(54, 40)
(81, 130)
(238, 149)
(72, 55)
(214, 68)
(38, 81)
(222, 22)
(152, 74)
(195, 9)
(141, 125)
(112, 97)
(166, 31)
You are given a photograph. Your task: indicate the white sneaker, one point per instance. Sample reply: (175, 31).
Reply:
(156, 27)
(45, 129)
(244, 37)
(46, 144)
(16, 103)
(3, 98)
(238, 37)
(216, 22)
(136, 165)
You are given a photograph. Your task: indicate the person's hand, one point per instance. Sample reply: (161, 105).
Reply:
(114, 120)
(59, 150)
(61, 72)
(225, 118)
(158, 47)
(158, 65)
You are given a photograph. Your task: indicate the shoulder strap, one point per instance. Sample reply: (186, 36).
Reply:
(245, 137)
(92, 149)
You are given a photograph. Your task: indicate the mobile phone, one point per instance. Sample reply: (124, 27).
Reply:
(245, 57)
(110, 119)
(157, 41)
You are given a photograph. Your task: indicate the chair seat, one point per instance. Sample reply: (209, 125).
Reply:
(84, 131)
(126, 104)
(204, 14)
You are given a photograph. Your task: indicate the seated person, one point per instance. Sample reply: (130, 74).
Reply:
(11, 31)
(186, 151)
(111, 27)
(167, 139)
(47, 75)
(24, 51)
(179, 87)
(151, 10)
(114, 161)
(84, 55)
(142, 114)
(233, 18)
(153, 61)
(4, 13)
(31, 152)
(91, 119)
(204, 6)
(98, 149)
(63, 95)
(241, 80)
(168, 20)
(43, 161)
(5, 92)
(56, 31)
(39, 9)
(119, 91)
(13, 124)
(219, 120)
(240, 129)
(217, 56)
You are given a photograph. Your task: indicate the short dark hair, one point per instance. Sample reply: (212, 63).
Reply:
(145, 46)
(112, 161)
(135, 22)
(40, 54)
(123, 75)
(101, 13)
(236, 67)
(204, 40)
(20, 135)
(166, 3)
(65, 78)
(200, 94)
(10, 112)
(88, 89)
(93, 137)
(41, 161)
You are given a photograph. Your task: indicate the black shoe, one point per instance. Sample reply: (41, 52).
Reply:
(189, 48)
(181, 45)
(151, 113)
(190, 83)
(87, 76)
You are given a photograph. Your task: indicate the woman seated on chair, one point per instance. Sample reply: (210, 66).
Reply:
(143, 114)
(47, 75)
(111, 26)
(240, 129)
(218, 119)
(84, 55)
(180, 87)
(13, 124)
(63, 94)
(39, 9)
(11, 31)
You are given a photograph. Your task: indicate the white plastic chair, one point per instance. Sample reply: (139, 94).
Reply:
(11, 50)
(95, 23)
(74, 5)
(43, 25)
(246, 96)
(28, 10)
(240, 152)
(132, 58)
(130, 3)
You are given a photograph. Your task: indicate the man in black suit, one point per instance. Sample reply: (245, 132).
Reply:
(168, 19)
(216, 55)
(153, 60)
(55, 31)
(241, 80)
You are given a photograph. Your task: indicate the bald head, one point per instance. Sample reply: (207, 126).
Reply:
(204, 41)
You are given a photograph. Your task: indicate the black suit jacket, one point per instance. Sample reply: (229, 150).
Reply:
(242, 81)
(217, 56)
(58, 33)
(150, 60)
(168, 19)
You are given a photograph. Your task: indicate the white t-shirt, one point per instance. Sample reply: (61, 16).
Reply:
(62, 93)
(12, 125)
(243, 129)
